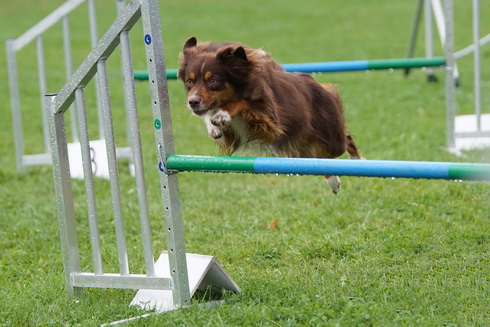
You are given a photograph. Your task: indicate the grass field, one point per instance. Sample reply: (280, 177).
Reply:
(383, 252)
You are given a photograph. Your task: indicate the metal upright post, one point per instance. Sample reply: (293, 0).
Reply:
(135, 142)
(64, 194)
(164, 146)
(414, 32)
(450, 64)
(15, 104)
(477, 68)
(113, 170)
(69, 69)
(429, 38)
(41, 68)
(89, 180)
(94, 38)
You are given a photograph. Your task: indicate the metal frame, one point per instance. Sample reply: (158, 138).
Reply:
(444, 19)
(177, 281)
(15, 45)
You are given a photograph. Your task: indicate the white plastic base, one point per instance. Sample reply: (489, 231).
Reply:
(98, 153)
(203, 271)
(465, 124)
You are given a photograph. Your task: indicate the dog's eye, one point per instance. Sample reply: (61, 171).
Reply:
(213, 82)
(189, 82)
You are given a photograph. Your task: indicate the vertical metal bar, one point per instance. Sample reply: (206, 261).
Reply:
(15, 104)
(41, 68)
(112, 163)
(94, 38)
(449, 54)
(414, 32)
(135, 142)
(89, 180)
(64, 195)
(441, 27)
(69, 70)
(165, 147)
(429, 40)
(120, 6)
(477, 67)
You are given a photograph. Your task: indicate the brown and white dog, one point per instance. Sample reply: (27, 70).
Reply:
(249, 102)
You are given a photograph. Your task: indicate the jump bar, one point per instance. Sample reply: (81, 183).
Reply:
(337, 66)
(339, 167)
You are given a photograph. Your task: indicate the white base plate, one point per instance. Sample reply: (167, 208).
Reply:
(465, 124)
(203, 271)
(98, 153)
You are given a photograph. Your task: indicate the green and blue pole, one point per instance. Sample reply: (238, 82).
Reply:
(339, 167)
(337, 66)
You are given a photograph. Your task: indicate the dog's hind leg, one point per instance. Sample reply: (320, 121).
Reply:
(334, 183)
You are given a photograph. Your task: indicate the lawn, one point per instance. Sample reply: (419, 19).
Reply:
(383, 252)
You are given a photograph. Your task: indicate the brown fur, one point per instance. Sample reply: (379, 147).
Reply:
(289, 114)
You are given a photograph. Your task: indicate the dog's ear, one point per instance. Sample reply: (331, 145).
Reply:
(181, 73)
(191, 43)
(240, 53)
(229, 53)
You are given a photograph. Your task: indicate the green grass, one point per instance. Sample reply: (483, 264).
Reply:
(382, 252)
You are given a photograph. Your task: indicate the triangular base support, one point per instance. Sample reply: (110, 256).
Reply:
(203, 270)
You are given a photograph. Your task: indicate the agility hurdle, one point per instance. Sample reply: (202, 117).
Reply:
(169, 282)
(36, 34)
(340, 167)
(338, 66)
(464, 132)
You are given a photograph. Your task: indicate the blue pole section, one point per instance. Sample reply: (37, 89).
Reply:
(366, 168)
(334, 66)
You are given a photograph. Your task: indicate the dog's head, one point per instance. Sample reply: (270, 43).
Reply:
(213, 74)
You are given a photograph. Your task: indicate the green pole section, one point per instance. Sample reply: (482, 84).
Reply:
(465, 171)
(142, 75)
(406, 63)
(210, 163)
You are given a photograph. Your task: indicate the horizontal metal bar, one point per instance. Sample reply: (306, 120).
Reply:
(133, 281)
(473, 134)
(124, 152)
(36, 159)
(101, 51)
(46, 23)
(45, 158)
(469, 49)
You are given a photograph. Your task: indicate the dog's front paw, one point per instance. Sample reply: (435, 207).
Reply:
(215, 132)
(221, 118)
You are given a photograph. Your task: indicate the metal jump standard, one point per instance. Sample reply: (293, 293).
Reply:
(170, 281)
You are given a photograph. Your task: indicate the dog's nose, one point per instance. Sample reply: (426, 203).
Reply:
(193, 103)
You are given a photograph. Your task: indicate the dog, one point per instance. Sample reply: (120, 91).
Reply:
(250, 103)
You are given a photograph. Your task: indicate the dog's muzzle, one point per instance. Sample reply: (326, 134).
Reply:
(195, 104)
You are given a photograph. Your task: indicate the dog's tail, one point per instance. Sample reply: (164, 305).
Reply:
(352, 148)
